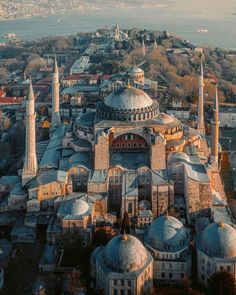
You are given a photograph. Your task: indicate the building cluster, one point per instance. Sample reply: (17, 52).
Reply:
(127, 162)
(125, 158)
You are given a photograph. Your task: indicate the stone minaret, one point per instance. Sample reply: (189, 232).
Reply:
(200, 121)
(55, 120)
(155, 44)
(143, 48)
(215, 132)
(30, 163)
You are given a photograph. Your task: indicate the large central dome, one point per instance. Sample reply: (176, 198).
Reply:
(128, 99)
(128, 104)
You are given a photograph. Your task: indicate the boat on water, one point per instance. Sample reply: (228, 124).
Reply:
(10, 35)
(202, 30)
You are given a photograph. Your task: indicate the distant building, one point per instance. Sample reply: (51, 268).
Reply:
(227, 117)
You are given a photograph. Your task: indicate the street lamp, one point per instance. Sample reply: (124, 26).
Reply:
(230, 144)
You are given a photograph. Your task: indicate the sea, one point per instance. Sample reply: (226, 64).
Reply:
(176, 19)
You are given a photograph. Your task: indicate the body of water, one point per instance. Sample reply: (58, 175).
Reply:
(221, 26)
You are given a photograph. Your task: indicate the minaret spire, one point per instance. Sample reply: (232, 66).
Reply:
(55, 120)
(30, 163)
(215, 131)
(200, 122)
(143, 47)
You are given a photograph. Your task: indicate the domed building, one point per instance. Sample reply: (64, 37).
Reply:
(216, 251)
(123, 266)
(168, 241)
(119, 152)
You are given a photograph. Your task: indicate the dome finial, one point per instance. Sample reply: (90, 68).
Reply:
(221, 223)
(128, 83)
(124, 237)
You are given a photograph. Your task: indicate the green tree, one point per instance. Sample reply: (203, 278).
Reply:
(222, 283)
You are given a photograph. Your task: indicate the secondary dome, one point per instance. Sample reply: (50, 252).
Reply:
(164, 119)
(128, 104)
(125, 253)
(79, 207)
(219, 240)
(167, 233)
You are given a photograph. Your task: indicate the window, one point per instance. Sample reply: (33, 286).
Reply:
(228, 268)
(122, 282)
(162, 274)
(122, 292)
(170, 275)
(115, 282)
(129, 283)
(221, 268)
(115, 292)
(129, 292)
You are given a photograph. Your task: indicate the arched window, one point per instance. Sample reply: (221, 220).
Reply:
(130, 208)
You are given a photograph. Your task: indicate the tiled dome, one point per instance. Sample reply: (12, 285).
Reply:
(125, 253)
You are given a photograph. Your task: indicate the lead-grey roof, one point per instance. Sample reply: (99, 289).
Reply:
(51, 157)
(160, 177)
(48, 176)
(129, 160)
(99, 176)
(167, 234)
(128, 99)
(218, 240)
(125, 254)
(193, 167)
(129, 184)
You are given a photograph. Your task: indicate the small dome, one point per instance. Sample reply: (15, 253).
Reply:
(125, 253)
(144, 205)
(38, 286)
(79, 207)
(128, 98)
(167, 233)
(135, 71)
(164, 119)
(219, 240)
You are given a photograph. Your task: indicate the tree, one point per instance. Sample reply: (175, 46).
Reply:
(222, 283)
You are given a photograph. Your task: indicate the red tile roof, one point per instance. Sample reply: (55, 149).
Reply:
(11, 100)
(2, 93)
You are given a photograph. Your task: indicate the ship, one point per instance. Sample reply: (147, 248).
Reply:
(202, 30)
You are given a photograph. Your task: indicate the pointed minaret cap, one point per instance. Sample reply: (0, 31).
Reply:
(31, 91)
(216, 101)
(55, 66)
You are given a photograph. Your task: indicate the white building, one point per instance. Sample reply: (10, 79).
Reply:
(216, 251)
(123, 267)
(168, 242)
